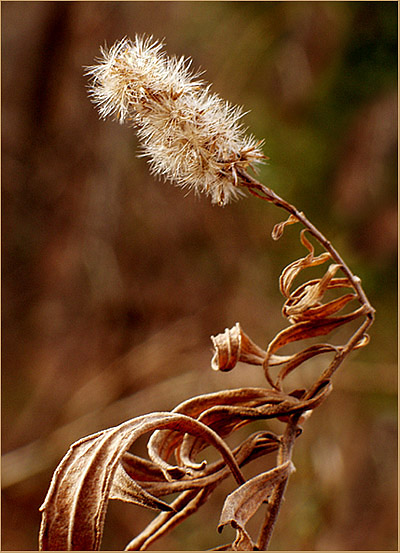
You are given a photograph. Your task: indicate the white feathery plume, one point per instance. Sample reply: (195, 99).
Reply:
(191, 137)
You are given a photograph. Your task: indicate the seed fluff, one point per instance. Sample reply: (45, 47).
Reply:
(191, 136)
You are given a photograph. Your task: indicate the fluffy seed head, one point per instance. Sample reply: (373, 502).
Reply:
(191, 136)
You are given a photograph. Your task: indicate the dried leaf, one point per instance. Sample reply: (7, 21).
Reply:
(308, 402)
(232, 346)
(126, 489)
(318, 312)
(243, 541)
(227, 418)
(164, 442)
(293, 269)
(242, 503)
(256, 445)
(311, 293)
(299, 358)
(278, 229)
(141, 469)
(304, 330)
(224, 419)
(76, 503)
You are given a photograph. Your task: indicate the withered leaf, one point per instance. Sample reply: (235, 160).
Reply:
(293, 269)
(163, 442)
(76, 503)
(299, 358)
(141, 469)
(304, 330)
(294, 314)
(242, 503)
(226, 418)
(310, 294)
(243, 541)
(232, 346)
(278, 229)
(126, 489)
(256, 445)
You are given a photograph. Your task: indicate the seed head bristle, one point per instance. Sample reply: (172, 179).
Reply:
(191, 136)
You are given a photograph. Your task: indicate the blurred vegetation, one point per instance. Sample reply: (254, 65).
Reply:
(113, 283)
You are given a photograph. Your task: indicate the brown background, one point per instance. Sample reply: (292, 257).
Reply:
(113, 282)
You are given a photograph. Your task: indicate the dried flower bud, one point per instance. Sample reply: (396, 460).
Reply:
(192, 137)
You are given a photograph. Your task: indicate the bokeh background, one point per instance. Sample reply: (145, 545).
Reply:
(113, 282)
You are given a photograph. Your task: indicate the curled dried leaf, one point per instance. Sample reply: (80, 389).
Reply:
(304, 330)
(310, 295)
(163, 443)
(299, 358)
(126, 489)
(309, 401)
(75, 506)
(278, 229)
(319, 311)
(293, 269)
(243, 502)
(232, 346)
(256, 445)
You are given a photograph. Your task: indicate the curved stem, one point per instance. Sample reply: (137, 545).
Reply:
(285, 454)
(265, 193)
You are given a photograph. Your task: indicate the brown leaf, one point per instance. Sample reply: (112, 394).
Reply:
(256, 445)
(164, 442)
(278, 229)
(304, 330)
(227, 418)
(126, 489)
(76, 503)
(242, 503)
(224, 419)
(318, 312)
(291, 271)
(299, 358)
(141, 469)
(311, 294)
(232, 346)
(322, 391)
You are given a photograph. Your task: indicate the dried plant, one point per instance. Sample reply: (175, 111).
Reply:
(194, 139)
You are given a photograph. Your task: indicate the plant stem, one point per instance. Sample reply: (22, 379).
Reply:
(284, 454)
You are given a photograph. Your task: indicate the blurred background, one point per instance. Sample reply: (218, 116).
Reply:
(113, 282)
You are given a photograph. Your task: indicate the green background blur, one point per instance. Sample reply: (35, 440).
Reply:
(113, 282)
